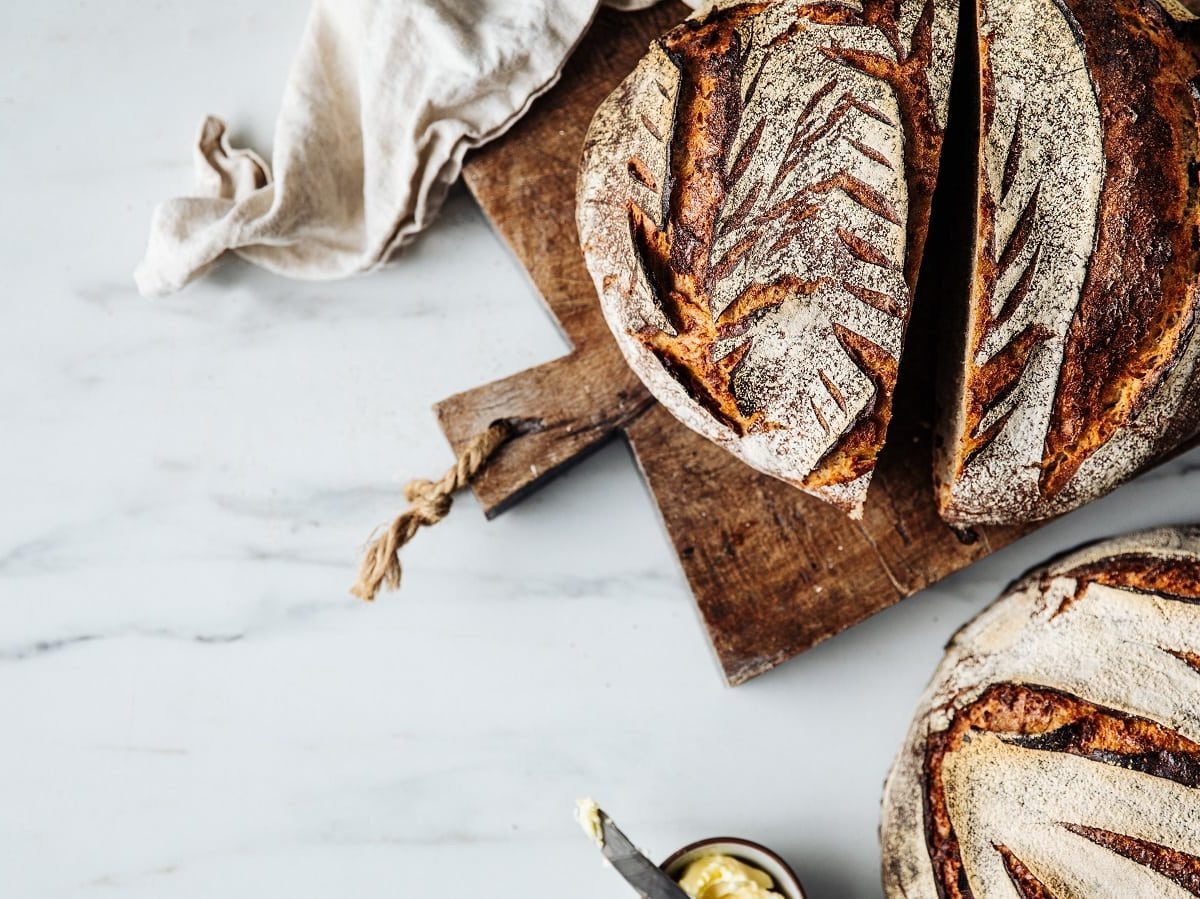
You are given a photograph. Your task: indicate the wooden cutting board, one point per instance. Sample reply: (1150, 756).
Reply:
(773, 571)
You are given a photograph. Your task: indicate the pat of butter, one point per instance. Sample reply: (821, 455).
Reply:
(587, 813)
(724, 877)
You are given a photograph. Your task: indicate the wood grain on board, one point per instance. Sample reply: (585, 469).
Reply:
(773, 571)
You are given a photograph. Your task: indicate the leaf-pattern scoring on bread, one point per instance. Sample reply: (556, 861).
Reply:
(1079, 352)
(755, 244)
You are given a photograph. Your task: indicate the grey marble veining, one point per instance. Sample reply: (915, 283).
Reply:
(190, 703)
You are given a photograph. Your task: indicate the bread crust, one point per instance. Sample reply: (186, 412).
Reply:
(1078, 363)
(753, 203)
(1056, 751)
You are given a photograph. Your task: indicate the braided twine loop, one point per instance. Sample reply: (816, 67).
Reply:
(429, 502)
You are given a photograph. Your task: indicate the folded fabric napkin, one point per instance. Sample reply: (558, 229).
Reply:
(384, 99)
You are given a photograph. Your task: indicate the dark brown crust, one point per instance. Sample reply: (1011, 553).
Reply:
(1049, 720)
(1170, 578)
(1023, 880)
(1176, 866)
(1191, 659)
(1138, 303)
(675, 259)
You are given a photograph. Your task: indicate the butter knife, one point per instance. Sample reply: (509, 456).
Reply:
(643, 875)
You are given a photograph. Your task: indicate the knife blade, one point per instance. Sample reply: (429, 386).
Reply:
(642, 874)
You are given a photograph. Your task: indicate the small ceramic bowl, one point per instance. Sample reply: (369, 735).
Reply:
(787, 884)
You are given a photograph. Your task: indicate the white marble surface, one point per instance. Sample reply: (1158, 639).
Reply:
(190, 704)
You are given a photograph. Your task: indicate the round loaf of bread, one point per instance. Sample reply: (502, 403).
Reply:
(1056, 753)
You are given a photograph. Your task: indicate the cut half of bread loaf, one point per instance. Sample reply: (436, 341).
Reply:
(753, 203)
(1056, 752)
(1077, 362)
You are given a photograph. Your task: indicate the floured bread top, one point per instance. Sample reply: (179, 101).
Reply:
(753, 203)
(1078, 361)
(1056, 752)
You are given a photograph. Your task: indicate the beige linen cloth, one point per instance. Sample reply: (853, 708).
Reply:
(382, 102)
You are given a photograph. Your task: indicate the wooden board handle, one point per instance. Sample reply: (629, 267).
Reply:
(563, 410)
